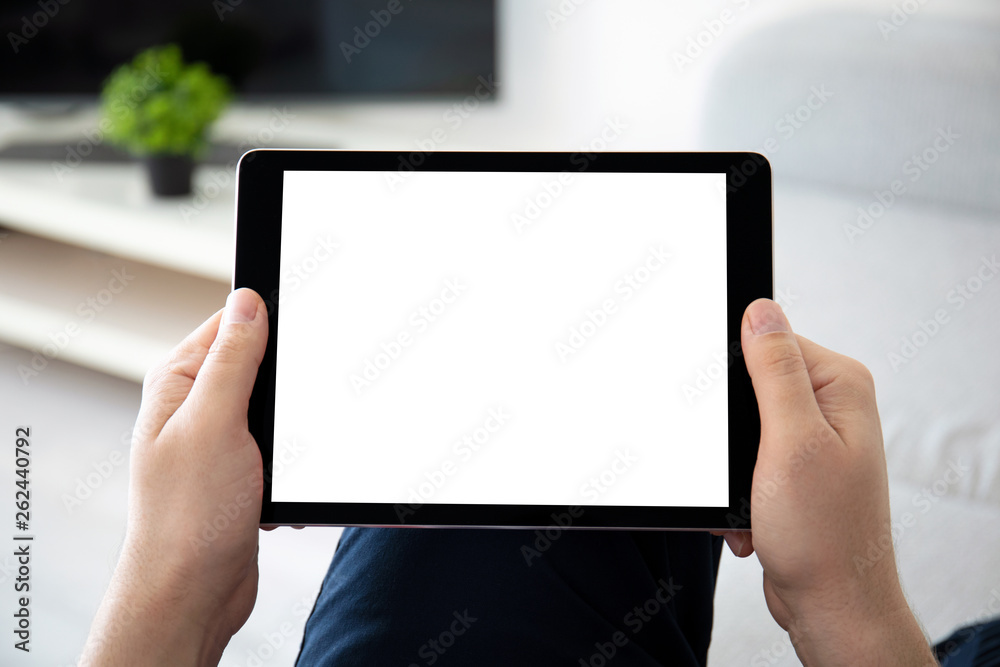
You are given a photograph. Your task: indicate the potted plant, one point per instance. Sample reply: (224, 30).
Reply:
(160, 108)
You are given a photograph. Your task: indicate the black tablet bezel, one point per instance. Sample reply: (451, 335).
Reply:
(749, 276)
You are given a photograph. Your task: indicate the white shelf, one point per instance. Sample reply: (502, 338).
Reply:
(44, 288)
(73, 226)
(108, 208)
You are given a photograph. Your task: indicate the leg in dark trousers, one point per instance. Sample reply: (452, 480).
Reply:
(407, 596)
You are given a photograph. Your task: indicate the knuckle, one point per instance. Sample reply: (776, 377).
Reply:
(861, 376)
(226, 348)
(157, 375)
(181, 361)
(152, 378)
(783, 358)
(857, 380)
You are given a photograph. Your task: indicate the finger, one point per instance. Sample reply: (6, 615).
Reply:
(167, 384)
(780, 376)
(825, 366)
(227, 376)
(740, 543)
(844, 389)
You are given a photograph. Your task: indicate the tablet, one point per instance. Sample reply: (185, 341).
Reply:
(505, 339)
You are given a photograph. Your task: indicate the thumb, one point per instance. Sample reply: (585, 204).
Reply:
(227, 375)
(776, 366)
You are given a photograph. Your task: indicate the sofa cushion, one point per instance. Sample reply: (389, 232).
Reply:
(917, 105)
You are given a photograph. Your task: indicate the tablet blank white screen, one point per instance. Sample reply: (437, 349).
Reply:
(502, 338)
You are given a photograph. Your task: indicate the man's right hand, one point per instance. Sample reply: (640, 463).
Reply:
(820, 499)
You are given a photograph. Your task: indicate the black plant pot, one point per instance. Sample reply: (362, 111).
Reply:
(170, 175)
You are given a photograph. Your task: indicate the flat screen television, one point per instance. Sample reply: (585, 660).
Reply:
(62, 50)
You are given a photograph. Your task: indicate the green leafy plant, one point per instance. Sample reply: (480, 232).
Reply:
(159, 105)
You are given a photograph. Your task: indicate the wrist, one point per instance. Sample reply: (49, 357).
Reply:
(150, 616)
(876, 627)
